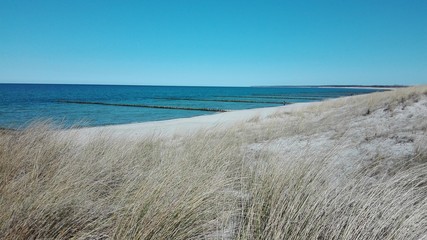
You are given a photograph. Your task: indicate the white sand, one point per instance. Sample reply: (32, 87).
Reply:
(182, 126)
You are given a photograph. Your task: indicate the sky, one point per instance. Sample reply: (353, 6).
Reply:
(214, 42)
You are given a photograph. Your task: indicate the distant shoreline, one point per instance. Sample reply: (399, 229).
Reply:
(362, 87)
(382, 87)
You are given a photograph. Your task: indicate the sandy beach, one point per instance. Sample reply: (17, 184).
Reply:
(185, 126)
(188, 126)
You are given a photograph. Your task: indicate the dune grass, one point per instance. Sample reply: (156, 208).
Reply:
(211, 185)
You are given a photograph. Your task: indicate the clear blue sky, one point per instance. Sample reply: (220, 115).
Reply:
(214, 42)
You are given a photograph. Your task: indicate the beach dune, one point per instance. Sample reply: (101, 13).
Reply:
(347, 168)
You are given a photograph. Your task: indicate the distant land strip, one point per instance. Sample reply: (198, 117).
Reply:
(221, 100)
(335, 86)
(142, 106)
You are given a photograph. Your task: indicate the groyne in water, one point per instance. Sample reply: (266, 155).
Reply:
(222, 100)
(142, 106)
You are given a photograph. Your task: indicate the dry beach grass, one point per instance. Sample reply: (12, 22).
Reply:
(350, 168)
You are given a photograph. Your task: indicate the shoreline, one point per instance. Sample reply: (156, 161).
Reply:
(184, 126)
(52, 110)
(192, 124)
(211, 119)
(220, 118)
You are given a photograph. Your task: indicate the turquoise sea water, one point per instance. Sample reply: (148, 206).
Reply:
(82, 105)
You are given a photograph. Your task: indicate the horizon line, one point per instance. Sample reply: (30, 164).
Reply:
(255, 86)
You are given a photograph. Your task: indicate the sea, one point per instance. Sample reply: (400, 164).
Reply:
(96, 105)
